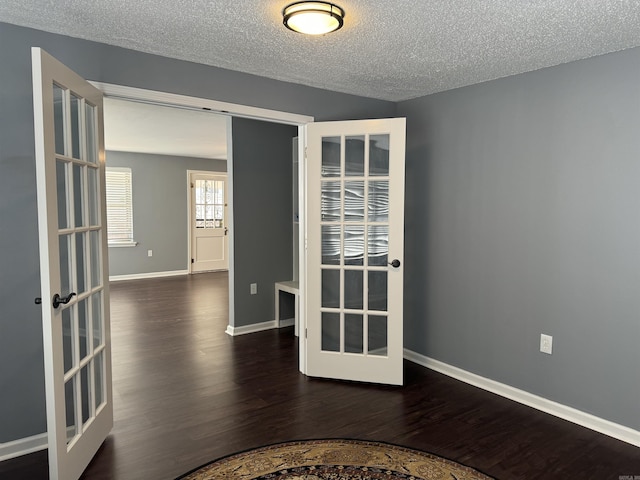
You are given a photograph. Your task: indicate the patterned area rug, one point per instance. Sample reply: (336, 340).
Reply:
(334, 460)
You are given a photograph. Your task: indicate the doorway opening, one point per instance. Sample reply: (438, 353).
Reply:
(159, 145)
(229, 110)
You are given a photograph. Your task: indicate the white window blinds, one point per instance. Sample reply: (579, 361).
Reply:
(119, 206)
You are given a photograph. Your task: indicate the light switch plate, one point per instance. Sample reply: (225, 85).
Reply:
(546, 343)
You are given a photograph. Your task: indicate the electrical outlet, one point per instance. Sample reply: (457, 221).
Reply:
(546, 343)
(254, 288)
(149, 253)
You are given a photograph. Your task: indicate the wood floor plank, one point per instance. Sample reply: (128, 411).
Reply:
(186, 393)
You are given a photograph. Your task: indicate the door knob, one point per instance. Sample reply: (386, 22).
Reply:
(58, 300)
(395, 263)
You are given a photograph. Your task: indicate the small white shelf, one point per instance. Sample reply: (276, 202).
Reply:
(292, 287)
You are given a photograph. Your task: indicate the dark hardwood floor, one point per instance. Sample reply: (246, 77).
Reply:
(186, 393)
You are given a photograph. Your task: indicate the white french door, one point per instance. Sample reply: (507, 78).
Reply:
(355, 244)
(209, 226)
(74, 274)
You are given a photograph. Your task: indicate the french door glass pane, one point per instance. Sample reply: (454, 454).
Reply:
(330, 202)
(199, 216)
(80, 263)
(68, 335)
(78, 192)
(379, 201)
(85, 393)
(377, 335)
(70, 410)
(64, 243)
(83, 329)
(98, 372)
(62, 194)
(90, 122)
(58, 118)
(75, 126)
(331, 288)
(330, 332)
(96, 308)
(219, 215)
(354, 156)
(353, 289)
(378, 245)
(331, 245)
(354, 201)
(92, 187)
(379, 155)
(354, 245)
(378, 290)
(210, 191)
(199, 187)
(331, 157)
(96, 272)
(209, 216)
(219, 192)
(353, 333)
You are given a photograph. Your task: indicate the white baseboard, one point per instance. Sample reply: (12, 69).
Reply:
(255, 327)
(258, 327)
(138, 276)
(573, 415)
(287, 322)
(23, 446)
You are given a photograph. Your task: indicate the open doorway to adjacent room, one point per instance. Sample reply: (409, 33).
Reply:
(156, 148)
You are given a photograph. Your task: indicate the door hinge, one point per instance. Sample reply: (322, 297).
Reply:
(192, 261)
(192, 185)
(305, 333)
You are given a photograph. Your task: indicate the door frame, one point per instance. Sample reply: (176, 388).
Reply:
(231, 110)
(190, 210)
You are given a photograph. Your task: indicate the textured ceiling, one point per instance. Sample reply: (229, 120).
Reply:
(141, 127)
(388, 49)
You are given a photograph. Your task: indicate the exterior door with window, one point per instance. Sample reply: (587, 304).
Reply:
(209, 230)
(69, 149)
(355, 242)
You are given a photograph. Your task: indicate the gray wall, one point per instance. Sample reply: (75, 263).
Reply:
(522, 203)
(263, 223)
(22, 410)
(160, 211)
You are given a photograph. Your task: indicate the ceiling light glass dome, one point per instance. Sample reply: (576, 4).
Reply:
(313, 18)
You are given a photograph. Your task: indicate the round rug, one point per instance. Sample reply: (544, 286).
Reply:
(334, 460)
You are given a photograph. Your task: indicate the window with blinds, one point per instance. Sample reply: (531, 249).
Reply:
(119, 207)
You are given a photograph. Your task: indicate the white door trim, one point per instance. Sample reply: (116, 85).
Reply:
(233, 110)
(184, 101)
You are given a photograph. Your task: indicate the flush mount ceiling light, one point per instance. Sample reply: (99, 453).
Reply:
(313, 18)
